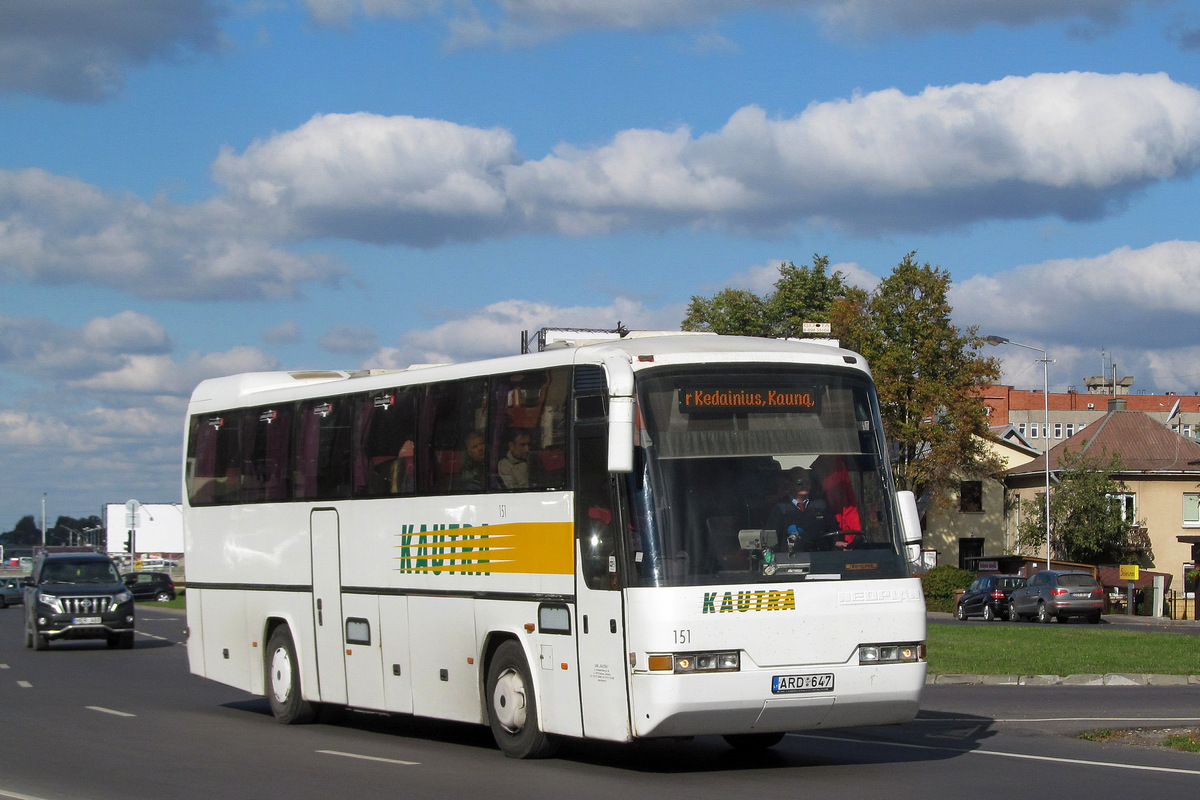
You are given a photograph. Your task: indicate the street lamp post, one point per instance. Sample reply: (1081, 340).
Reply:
(1046, 362)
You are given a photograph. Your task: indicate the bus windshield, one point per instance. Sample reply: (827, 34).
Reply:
(759, 474)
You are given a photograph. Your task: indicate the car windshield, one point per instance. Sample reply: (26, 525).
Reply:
(1086, 581)
(79, 572)
(1010, 583)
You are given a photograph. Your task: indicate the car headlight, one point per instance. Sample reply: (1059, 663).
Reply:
(49, 600)
(123, 596)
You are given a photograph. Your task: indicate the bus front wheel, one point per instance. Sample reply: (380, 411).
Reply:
(512, 708)
(283, 680)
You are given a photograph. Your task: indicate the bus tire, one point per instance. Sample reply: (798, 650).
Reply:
(512, 707)
(283, 680)
(752, 742)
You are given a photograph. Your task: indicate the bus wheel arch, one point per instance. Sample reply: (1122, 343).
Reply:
(282, 678)
(511, 703)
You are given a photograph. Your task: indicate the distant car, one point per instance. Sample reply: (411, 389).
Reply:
(1060, 594)
(76, 595)
(12, 592)
(989, 596)
(150, 585)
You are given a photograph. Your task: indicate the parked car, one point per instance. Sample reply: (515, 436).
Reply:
(12, 591)
(150, 585)
(77, 596)
(1060, 594)
(989, 596)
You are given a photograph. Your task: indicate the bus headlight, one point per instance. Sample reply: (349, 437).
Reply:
(684, 663)
(891, 653)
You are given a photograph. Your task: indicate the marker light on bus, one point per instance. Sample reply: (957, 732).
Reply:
(890, 653)
(683, 663)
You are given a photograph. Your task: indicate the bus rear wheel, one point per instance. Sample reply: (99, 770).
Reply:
(283, 680)
(512, 707)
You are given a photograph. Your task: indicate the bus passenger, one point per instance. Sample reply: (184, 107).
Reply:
(514, 467)
(470, 477)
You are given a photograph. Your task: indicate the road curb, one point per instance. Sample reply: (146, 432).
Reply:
(1111, 679)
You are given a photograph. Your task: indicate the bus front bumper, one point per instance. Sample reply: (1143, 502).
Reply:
(744, 702)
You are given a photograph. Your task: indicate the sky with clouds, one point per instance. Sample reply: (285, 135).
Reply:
(192, 188)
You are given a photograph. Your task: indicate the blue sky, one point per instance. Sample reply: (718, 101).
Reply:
(190, 188)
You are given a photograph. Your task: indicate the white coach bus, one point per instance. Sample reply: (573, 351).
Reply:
(662, 536)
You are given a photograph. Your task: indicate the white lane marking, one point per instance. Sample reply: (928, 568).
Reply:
(3, 666)
(998, 754)
(18, 795)
(370, 758)
(1141, 720)
(114, 712)
(25, 684)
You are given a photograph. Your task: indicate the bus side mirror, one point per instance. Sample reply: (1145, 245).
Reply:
(620, 434)
(910, 524)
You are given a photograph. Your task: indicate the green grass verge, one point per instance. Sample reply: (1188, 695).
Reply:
(980, 648)
(180, 602)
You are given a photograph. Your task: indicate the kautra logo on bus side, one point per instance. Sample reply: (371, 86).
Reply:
(748, 600)
(426, 549)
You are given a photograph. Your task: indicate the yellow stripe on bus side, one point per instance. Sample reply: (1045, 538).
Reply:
(537, 548)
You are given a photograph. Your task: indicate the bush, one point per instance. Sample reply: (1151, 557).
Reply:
(939, 585)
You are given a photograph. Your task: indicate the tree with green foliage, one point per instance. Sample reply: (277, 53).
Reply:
(802, 294)
(25, 532)
(1087, 525)
(929, 374)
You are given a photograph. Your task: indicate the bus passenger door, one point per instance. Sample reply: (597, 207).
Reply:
(600, 626)
(327, 604)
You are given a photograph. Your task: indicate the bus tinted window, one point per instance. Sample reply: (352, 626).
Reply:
(323, 464)
(214, 455)
(385, 455)
(457, 451)
(266, 454)
(530, 429)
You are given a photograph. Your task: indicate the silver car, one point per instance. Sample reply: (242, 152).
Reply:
(1060, 594)
(12, 591)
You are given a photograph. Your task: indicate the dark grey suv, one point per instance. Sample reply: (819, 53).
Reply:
(1059, 594)
(77, 596)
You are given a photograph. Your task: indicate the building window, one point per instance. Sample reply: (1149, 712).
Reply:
(970, 497)
(970, 550)
(1128, 504)
(1033, 430)
(1070, 429)
(1021, 428)
(1058, 430)
(1191, 509)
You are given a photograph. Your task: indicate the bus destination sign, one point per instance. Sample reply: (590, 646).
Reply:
(730, 399)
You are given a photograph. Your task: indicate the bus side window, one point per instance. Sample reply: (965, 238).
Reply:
(323, 466)
(214, 457)
(531, 429)
(455, 442)
(386, 427)
(266, 441)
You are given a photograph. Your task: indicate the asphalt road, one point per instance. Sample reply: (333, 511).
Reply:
(82, 721)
